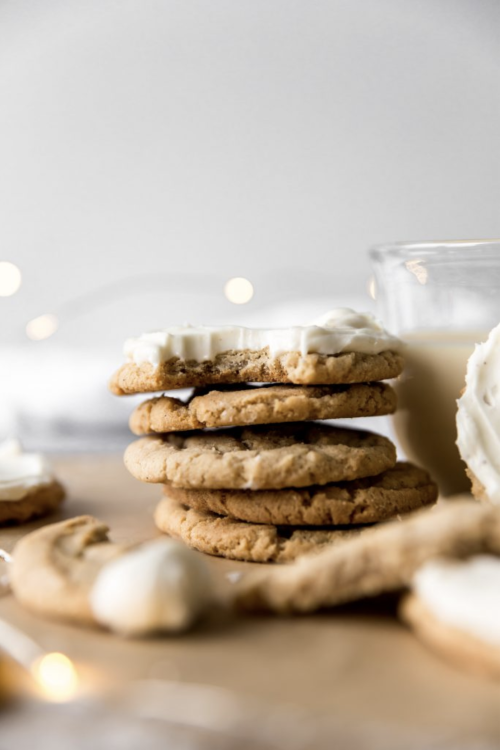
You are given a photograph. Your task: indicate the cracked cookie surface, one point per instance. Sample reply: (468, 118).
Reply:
(397, 491)
(237, 540)
(262, 405)
(257, 366)
(262, 457)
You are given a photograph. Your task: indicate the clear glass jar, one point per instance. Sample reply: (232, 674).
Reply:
(441, 298)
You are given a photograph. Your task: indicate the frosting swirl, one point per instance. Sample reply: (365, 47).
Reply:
(478, 415)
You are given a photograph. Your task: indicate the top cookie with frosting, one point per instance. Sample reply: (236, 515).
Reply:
(478, 419)
(341, 347)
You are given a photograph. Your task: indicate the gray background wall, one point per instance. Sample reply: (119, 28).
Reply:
(272, 139)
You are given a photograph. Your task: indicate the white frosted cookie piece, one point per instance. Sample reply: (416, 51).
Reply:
(335, 332)
(28, 488)
(161, 586)
(454, 609)
(21, 472)
(478, 419)
(464, 594)
(342, 346)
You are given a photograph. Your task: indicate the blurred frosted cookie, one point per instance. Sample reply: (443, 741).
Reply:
(262, 457)
(237, 540)
(454, 608)
(384, 558)
(478, 419)
(28, 488)
(341, 347)
(72, 571)
(363, 501)
(247, 405)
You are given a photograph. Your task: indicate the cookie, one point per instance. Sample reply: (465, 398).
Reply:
(265, 405)
(383, 559)
(237, 540)
(478, 429)
(54, 568)
(263, 457)
(455, 646)
(454, 608)
(259, 367)
(363, 501)
(71, 571)
(40, 501)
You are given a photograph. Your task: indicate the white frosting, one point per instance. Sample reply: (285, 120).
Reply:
(20, 472)
(478, 416)
(340, 330)
(160, 586)
(464, 594)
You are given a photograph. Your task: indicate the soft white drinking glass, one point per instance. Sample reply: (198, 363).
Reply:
(441, 298)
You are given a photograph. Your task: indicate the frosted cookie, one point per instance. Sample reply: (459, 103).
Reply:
(454, 608)
(363, 501)
(478, 419)
(263, 457)
(71, 571)
(274, 404)
(383, 559)
(28, 488)
(341, 347)
(236, 540)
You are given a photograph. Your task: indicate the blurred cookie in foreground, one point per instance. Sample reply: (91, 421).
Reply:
(478, 419)
(28, 488)
(454, 608)
(399, 490)
(71, 571)
(239, 540)
(342, 346)
(296, 454)
(247, 405)
(383, 558)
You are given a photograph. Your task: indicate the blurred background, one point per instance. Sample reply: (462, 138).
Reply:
(151, 151)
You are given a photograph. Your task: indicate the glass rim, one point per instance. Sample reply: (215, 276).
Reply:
(427, 247)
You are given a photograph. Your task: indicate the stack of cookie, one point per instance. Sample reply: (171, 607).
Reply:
(247, 473)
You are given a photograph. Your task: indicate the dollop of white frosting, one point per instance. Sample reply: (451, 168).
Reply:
(160, 586)
(464, 594)
(337, 331)
(21, 472)
(478, 415)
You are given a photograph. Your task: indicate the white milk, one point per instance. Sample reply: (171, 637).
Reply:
(428, 389)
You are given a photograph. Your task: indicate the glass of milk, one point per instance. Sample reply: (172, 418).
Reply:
(441, 298)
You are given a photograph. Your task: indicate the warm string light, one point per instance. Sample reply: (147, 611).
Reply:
(54, 675)
(239, 291)
(10, 278)
(42, 327)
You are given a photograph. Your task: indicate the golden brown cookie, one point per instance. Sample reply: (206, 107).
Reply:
(54, 567)
(399, 490)
(455, 646)
(40, 501)
(259, 367)
(263, 457)
(384, 558)
(247, 405)
(237, 540)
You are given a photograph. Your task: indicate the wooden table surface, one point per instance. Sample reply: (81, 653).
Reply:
(359, 666)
